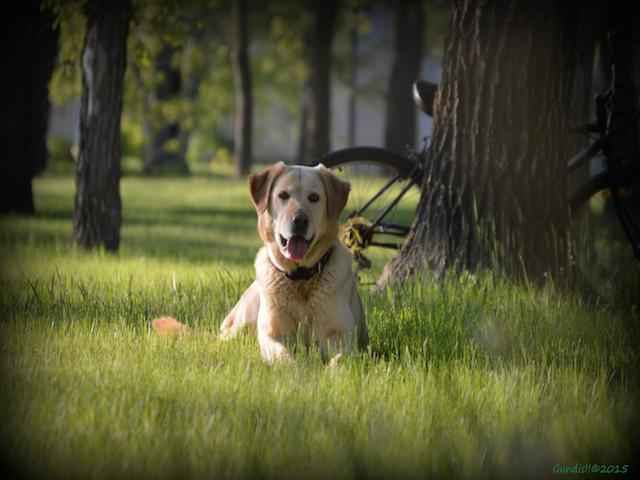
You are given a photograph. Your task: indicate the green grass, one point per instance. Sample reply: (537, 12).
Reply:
(473, 377)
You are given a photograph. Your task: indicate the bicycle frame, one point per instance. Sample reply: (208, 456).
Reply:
(408, 169)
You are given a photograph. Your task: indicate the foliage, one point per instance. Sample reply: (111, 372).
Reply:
(277, 57)
(473, 376)
(66, 81)
(354, 18)
(203, 40)
(199, 33)
(61, 153)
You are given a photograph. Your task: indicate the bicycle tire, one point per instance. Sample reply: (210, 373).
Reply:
(580, 197)
(588, 175)
(404, 166)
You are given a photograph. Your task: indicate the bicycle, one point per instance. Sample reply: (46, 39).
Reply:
(360, 232)
(596, 168)
(612, 160)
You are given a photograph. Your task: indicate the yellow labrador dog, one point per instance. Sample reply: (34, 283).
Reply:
(304, 280)
(303, 273)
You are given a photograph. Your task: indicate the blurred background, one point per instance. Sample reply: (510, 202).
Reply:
(215, 88)
(182, 80)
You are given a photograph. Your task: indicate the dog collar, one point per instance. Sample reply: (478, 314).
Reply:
(304, 273)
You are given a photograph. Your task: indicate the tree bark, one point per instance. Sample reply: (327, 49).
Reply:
(316, 126)
(243, 121)
(400, 122)
(97, 214)
(494, 194)
(583, 28)
(29, 55)
(164, 151)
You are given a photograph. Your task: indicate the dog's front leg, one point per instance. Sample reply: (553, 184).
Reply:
(335, 346)
(273, 327)
(244, 314)
(335, 334)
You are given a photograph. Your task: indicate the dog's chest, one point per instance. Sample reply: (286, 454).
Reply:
(315, 289)
(314, 295)
(311, 299)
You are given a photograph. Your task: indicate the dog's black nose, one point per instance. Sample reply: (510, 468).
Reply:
(300, 223)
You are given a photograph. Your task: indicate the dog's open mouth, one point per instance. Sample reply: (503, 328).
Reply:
(295, 247)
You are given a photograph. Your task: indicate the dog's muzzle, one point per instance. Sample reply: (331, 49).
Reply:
(300, 224)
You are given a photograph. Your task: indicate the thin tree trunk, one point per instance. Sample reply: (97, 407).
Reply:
(243, 122)
(97, 215)
(400, 125)
(191, 93)
(146, 100)
(494, 194)
(304, 121)
(353, 86)
(164, 151)
(29, 57)
(316, 126)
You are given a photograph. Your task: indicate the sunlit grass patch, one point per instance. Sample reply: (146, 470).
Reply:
(473, 376)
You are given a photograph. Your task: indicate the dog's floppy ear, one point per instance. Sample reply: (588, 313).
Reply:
(337, 192)
(260, 185)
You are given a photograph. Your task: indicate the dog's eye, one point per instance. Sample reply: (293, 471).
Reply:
(283, 195)
(313, 197)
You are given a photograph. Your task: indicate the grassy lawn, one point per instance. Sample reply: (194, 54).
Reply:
(471, 378)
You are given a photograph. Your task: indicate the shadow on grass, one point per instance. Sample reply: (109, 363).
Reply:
(194, 233)
(175, 233)
(173, 216)
(161, 247)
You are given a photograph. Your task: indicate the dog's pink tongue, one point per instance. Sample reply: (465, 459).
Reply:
(297, 247)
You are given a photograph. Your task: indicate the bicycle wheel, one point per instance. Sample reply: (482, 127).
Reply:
(402, 165)
(587, 173)
(381, 206)
(604, 225)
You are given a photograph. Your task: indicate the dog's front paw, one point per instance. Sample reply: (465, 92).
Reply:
(335, 361)
(226, 335)
(281, 358)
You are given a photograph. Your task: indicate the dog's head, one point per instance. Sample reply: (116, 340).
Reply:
(298, 209)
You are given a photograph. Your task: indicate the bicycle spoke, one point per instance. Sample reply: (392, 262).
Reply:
(384, 213)
(378, 194)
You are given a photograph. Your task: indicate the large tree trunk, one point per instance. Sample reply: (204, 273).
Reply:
(316, 122)
(164, 153)
(400, 123)
(494, 194)
(243, 122)
(29, 56)
(583, 28)
(97, 214)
